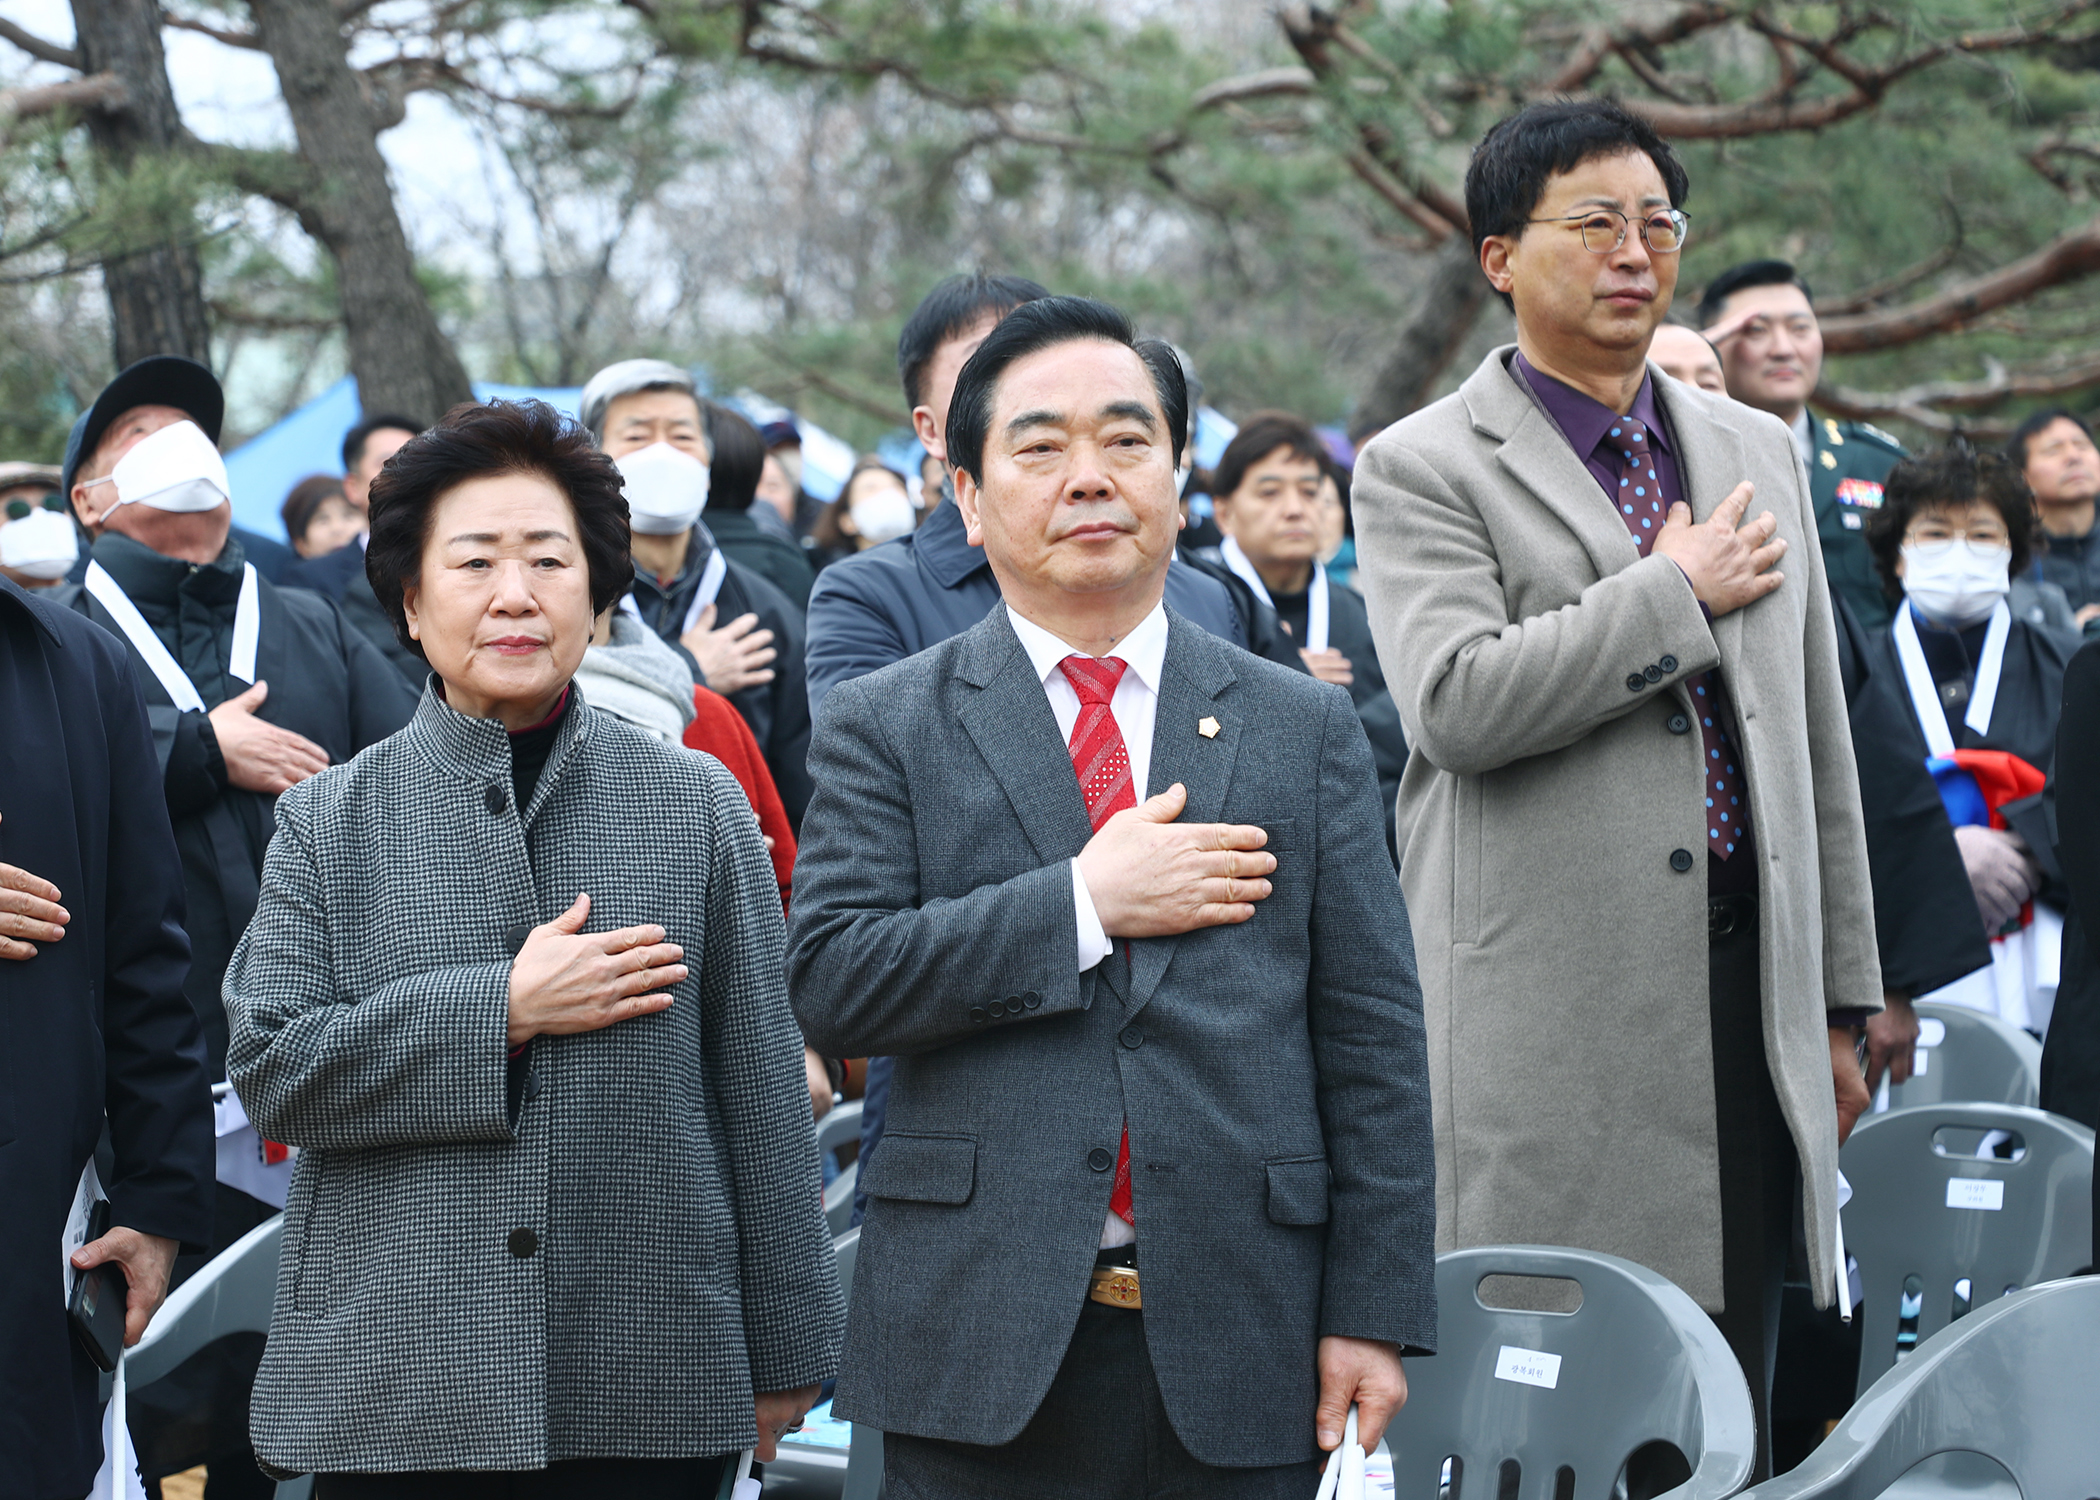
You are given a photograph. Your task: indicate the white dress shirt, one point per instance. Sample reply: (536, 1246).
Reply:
(1135, 707)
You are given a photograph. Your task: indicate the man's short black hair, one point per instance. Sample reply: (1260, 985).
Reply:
(737, 459)
(954, 307)
(355, 439)
(1738, 278)
(478, 440)
(2016, 445)
(1044, 324)
(1258, 437)
(1513, 162)
(1955, 476)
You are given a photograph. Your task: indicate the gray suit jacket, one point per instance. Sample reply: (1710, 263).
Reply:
(597, 1250)
(1271, 1073)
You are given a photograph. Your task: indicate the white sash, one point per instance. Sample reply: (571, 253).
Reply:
(1316, 596)
(711, 576)
(176, 682)
(1925, 697)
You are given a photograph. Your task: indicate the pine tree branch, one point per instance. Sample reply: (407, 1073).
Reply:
(98, 91)
(2069, 257)
(37, 47)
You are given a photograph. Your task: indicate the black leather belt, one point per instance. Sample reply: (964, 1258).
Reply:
(1728, 915)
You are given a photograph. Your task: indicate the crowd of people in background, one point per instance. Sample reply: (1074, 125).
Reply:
(706, 599)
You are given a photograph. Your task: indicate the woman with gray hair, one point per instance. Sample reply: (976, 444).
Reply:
(555, 1224)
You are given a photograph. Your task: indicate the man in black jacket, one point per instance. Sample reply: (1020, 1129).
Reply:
(341, 574)
(92, 957)
(737, 459)
(249, 690)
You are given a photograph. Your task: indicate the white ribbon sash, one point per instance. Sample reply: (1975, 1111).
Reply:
(173, 680)
(1925, 696)
(711, 576)
(1316, 596)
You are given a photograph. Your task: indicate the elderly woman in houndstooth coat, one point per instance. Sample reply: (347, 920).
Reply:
(555, 1227)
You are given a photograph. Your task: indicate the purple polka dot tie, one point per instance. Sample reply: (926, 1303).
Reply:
(1641, 507)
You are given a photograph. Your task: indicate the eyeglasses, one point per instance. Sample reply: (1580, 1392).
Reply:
(1604, 229)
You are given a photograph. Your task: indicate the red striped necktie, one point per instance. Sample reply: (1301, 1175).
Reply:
(1101, 761)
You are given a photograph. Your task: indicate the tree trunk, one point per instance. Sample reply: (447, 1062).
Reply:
(1429, 340)
(401, 358)
(156, 293)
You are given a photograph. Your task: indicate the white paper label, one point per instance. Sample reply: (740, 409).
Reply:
(1528, 1367)
(1975, 1192)
(1921, 1062)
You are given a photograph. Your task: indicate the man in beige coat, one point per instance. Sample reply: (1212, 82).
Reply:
(1635, 1046)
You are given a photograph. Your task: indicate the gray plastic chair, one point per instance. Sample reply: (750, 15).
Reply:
(840, 1126)
(233, 1293)
(1635, 1362)
(2005, 1395)
(808, 1466)
(1924, 1261)
(1977, 1057)
(838, 1200)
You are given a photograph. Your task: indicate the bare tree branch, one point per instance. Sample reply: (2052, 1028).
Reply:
(37, 47)
(1869, 296)
(1268, 83)
(100, 91)
(817, 380)
(1929, 404)
(243, 39)
(2071, 256)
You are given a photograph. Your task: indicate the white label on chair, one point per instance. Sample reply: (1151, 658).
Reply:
(1975, 1192)
(1528, 1367)
(1932, 1031)
(1921, 1061)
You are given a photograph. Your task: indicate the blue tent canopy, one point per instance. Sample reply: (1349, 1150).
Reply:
(263, 470)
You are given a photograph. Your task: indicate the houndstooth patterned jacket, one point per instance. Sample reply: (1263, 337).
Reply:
(601, 1251)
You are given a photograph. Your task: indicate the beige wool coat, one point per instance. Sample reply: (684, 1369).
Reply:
(1563, 957)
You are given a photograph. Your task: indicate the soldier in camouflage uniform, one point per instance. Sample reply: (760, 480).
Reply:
(1759, 316)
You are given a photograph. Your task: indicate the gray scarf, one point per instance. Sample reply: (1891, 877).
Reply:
(640, 679)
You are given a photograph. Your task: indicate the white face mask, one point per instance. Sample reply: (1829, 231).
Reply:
(881, 513)
(42, 544)
(175, 469)
(666, 489)
(1955, 583)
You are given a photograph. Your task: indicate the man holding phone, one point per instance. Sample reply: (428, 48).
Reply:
(92, 960)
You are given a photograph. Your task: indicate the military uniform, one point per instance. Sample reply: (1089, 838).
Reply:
(1845, 477)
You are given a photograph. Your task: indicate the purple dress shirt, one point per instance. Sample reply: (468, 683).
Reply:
(1585, 421)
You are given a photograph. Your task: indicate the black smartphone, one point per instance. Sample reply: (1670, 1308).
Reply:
(96, 1307)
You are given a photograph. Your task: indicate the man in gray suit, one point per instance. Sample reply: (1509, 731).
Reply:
(1187, 1022)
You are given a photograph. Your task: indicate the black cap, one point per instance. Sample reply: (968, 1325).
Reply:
(158, 380)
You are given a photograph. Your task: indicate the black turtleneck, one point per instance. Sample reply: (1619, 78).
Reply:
(529, 749)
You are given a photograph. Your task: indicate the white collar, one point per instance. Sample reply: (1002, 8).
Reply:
(1805, 436)
(1144, 649)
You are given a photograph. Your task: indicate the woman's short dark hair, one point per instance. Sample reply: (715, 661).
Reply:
(1950, 478)
(1042, 324)
(1258, 437)
(305, 498)
(478, 440)
(737, 459)
(1513, 162)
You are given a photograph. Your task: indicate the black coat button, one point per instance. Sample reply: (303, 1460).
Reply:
(1654, 673)
(497, 800)
(1100, 1158)
(1032, 1000)
(514, 939)
(977, 1013)
(1635, 682)
(996, 1009)
(1681, 860)
(1133, 1037)
(524, 1244)
(1679, 724)
(1668, 664)
(532, 1085)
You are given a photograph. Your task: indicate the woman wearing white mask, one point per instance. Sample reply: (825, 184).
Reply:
(873, 508)
(1985, 690)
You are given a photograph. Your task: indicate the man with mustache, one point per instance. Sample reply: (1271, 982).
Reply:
(1630, 827)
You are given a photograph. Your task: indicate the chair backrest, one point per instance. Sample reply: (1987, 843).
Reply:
(1939, 1229)
(1513, 1397)
(1966, 1054)
(838, 1200)
(232, 1293)
(2013, 1382)
(847, 1248)
(840, 1125)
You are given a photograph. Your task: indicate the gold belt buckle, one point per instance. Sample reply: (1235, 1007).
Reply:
(1116, 1286)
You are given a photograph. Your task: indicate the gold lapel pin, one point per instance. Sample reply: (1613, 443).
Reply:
(1207, 727)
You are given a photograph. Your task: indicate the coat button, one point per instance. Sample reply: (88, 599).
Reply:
(1635, 682)
(1133, 1037)
(995, 1010)
(1681, 860)
(1100, 1158)
(497, 800)
(532, 1091)
(514, 939)
(1032, 1000)
(1668, 664)
(524, 1243)
(1654, 673)
(977, 1013)
(1679, 724)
